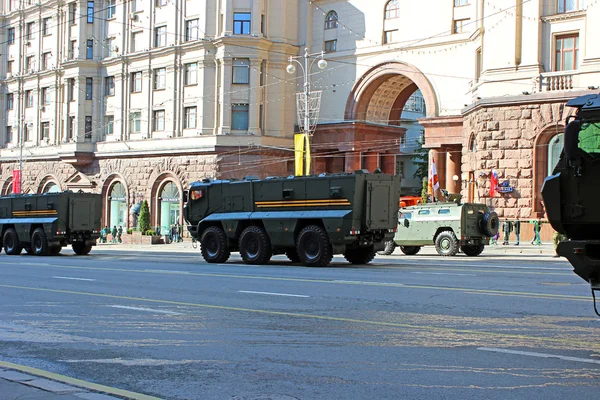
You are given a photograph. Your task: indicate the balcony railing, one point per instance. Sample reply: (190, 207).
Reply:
(559, 80)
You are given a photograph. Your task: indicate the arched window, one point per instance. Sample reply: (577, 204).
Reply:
(392, 9)
(51, 187)
(331, 20)
(554, 148)
(473, 143)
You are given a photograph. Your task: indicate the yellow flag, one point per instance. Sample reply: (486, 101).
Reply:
(299, 153)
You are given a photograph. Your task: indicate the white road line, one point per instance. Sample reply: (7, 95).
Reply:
(273, 294)
(147, 309)
(441, 273)
(540, 355)
(369, 283)
(73, 279)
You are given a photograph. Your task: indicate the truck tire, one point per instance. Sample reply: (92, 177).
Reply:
(213, 245)
(255, 246)
(410, 250)
(55, 250)
(12, 244)
(472, 250)
(362, 255)
(292, 255)
(446, 243)
(489, 223)
(314, 247)
(389, 249)
(39, 243)
(82, 249)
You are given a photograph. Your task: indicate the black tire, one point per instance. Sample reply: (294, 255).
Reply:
(489, 223)
(255, 246)
(55, 250)
(389, 249)
(362, 255)
(213, 245)
(12, 244)
(81, 249)
(314, 247)
(472, 250)
(39, 243)
(410, 250)
(446, 244)
(292, 255)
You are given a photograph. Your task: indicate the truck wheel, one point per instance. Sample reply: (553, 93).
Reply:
(472, 250)
(82, 249)
(489, 223)
(446, 243)
(213, 245)
(12, 244)
(389, 249)
(55, 250)
(410, 250)
(255, 246)
(39, 243)
(292, 255)
(313, 246)
(362, 255)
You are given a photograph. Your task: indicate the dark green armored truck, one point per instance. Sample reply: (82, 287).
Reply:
(43, 224)
(308, 218)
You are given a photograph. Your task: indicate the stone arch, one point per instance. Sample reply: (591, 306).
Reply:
(370, 96)
(107, 186)
(472, 143)
(158, 185)
(540, 164)
(46, 181)
(7, 186)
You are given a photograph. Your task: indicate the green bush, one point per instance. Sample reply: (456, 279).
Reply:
(129, 231)
(144, 218)
(149, 232)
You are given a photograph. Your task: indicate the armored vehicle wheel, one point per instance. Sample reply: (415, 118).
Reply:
(39, 243)
(81, 249)
(446, 243)
(362, 255)
(410, 250)
(12, 244)
(472, 250)
(313, 246)
(255, 246)
(292, 255)
(489, 224)
(389, 249)
(213, 245)
(55, 250)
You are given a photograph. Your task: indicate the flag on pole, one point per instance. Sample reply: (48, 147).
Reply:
(493, 183)
(434, 183)
(16, 181)
(299, 142)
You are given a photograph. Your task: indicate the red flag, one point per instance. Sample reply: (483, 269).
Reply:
(493, 183)
(16, 181)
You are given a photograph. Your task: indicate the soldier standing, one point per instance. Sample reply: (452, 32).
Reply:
(119, 234)
(517, 226)
(507, 229)
(537, 225)
(114, 234)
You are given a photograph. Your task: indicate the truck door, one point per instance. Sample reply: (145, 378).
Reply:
(81, 214)
(404, 227)
(379, 210)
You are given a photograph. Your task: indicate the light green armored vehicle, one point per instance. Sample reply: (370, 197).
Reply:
(448, 226)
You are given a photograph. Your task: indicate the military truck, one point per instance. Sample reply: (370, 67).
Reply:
(571, 193)
(43, 224)
(307, 218)
(449, 226)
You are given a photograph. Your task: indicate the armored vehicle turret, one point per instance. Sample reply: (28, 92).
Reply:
(307, 218)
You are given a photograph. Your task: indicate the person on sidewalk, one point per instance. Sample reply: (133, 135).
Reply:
(119, 234)
(517, 227)
(537, 226)
(556, 239)
(114, 234)
(507, 228)
(494, 239)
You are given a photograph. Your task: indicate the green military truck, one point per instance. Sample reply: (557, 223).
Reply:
(449, 226)
(43, 224)
(307, 218)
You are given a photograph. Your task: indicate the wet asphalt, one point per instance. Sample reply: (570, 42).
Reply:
(166, 324)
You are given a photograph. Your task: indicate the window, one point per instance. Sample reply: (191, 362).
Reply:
(109, 121)
(160, 36)
(554, 148)
(136, 5)
(459, 25)
(392, 9)
(89, 88)
(190, 118)
(26, 137)
(159, 120)
(567, 53)
(72, 13)
(8, 134)
(458, 3)
(331, 20)
(11, 35)
(111, 8)
(71, 131)
(45, 96)
(90, 12)
(45, 130)
(10, 101)
(136, 41)
(89, 49)
(444, 211)
(241, 71)
(46, 26)
(160, 78)
(241, 23)
(45, 61)
(88, 127)
(135, 120)
(28, 98)
(136, 82)
(111, 50)
(9, 67)
(109, 86)
(263, 25)
(161, 3)
(423, 212)
(239, 117)
(565, 6)
(29, 30)
(30, 63)
(473, 144)
(71, 88)
(478, 65)
(400, 168)
(389, 36)
(72, 49)
(191, 74)
(191, 30)
(330, 46)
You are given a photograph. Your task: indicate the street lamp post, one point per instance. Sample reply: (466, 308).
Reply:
(306, 125)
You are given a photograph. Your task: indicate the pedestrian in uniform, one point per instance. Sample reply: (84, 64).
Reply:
(506, 229)
(556, 239)
(517, 227)
(537, 226)
(119, 234)
(114, 234)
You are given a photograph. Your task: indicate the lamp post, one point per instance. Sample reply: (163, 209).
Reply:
(306, 67)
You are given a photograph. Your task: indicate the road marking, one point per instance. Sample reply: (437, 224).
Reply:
(427, 328)
(368, 283)
(147, 309)
(441, 273)
(273, 294)
(73, 279)
(540, 355)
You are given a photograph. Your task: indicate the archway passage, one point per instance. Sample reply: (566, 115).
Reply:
(118, 205)
(170, 207)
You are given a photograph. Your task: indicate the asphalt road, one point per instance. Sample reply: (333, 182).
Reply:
(167, 324)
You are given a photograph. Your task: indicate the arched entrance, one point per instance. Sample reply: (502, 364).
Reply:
(169, 201)
(546, 152)
(117, 197)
